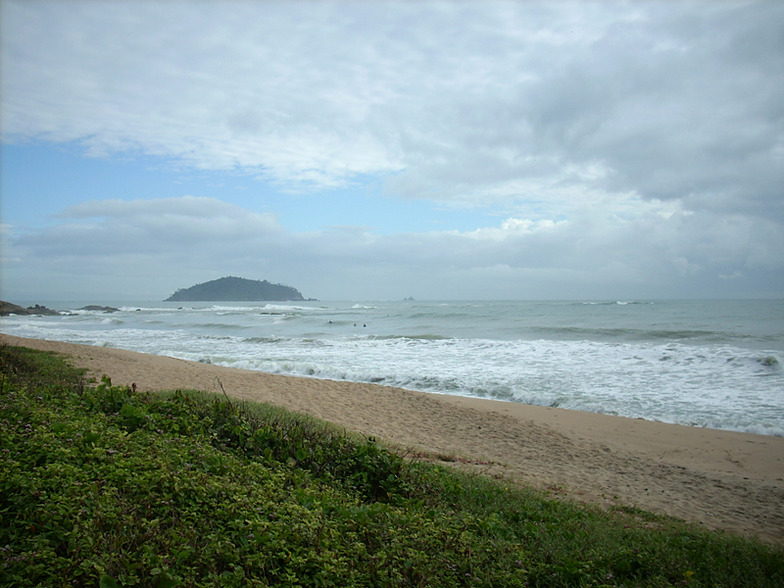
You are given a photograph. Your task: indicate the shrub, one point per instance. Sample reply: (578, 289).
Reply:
(101, 486)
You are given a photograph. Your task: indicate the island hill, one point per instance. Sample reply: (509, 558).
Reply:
(236, 290)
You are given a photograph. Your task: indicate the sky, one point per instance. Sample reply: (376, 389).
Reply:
(381, 150)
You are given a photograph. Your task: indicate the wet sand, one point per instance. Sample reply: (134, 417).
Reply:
(720, 479)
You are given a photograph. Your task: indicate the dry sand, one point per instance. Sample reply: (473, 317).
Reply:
(720, 479)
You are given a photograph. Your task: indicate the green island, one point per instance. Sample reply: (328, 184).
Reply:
(232, 289)
(103, 486)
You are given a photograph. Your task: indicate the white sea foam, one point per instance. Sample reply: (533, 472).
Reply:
(671, 363)
(288, 308)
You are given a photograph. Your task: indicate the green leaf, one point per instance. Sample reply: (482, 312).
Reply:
(108, 582)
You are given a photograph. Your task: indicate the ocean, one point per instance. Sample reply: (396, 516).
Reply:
(711, 363)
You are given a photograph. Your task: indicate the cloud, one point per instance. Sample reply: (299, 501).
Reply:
(159, 227)
(464, 102)
(140, 246)
(625, 147)
(148, 248)
(218, 87)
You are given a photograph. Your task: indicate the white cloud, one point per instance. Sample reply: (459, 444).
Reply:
(472, 102)
(513, 227)
(627, 145)
(147, 249)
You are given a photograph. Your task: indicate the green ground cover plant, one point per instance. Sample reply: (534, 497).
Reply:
(100, 486)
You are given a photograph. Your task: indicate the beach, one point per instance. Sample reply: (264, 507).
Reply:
(722, 480)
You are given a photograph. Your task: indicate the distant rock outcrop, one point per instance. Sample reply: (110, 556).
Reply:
(96, 308)
(235, 290)
(7, 308)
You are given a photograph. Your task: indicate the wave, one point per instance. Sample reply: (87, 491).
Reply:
(422, 337)
(222, 308)
(766, 365)
(82, 312)
(287, 343)
(289, 308)
(615, 303)
(593, 385)
(619, 333)
(217, 326)
(444, 316)
(679, 363)
(264, 340)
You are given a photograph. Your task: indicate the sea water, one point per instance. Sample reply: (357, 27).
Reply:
(711, 364)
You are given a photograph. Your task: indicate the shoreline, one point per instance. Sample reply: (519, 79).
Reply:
(723, 480)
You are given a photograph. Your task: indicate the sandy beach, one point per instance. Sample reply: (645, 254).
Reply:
(722, 480)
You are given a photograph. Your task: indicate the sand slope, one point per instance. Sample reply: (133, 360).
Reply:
(723, 480)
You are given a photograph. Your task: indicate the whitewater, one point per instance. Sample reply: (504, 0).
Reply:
(714, 364)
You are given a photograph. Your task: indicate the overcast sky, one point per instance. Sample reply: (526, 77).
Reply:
(379, 150)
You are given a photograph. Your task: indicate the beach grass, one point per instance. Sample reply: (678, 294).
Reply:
(101, 486)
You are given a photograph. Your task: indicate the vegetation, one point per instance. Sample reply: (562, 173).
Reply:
(235, 289)
(100, 486)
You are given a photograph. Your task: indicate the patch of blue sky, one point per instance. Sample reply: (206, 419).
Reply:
(39, 180)
(45, 178)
